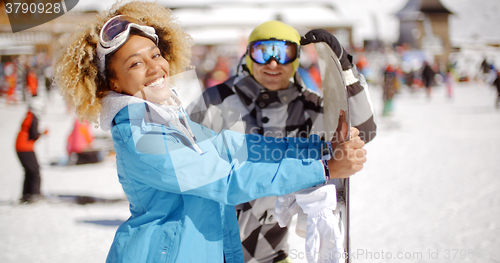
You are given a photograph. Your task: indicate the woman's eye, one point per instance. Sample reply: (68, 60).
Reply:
(157, 55)
(135, 64)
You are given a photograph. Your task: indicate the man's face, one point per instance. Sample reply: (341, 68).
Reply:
(273, 76)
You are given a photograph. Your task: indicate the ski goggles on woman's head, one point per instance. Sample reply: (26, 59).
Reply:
(115, 33)
(283, 51)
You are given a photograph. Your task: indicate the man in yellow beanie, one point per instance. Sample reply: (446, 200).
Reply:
(267, 97)
(285, 47)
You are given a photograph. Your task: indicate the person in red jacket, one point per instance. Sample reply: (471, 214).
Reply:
(32, 82)
(79, 147)
(25, 151)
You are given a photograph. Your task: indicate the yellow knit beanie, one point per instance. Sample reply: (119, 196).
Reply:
(274, 29)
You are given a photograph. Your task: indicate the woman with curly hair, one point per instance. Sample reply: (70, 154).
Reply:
(182, 180)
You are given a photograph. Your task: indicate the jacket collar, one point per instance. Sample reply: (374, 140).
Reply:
(114, 102)
(261, 97)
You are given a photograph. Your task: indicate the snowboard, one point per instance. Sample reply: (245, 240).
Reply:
(335, 104)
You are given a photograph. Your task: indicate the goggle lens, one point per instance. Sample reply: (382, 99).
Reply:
(115, 33)
(114, 28)
(282, 51)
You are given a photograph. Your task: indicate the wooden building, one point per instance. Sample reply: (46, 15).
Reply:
(424, 25)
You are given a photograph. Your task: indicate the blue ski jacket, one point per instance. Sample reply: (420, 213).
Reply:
(182, 181)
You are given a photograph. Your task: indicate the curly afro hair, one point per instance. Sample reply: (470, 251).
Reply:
(76, 72)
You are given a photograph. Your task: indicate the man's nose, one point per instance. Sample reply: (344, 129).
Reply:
(273, 63)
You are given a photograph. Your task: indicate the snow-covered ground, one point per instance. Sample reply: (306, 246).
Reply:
(55, 231)
(428, 193)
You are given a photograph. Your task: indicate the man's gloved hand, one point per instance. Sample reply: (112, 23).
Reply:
(321, 35)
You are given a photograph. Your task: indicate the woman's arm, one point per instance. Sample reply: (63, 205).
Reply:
(232, 168)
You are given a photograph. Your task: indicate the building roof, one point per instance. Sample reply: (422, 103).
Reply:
(413, 7)
(433, 6)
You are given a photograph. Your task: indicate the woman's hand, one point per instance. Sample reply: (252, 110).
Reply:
(348, 157)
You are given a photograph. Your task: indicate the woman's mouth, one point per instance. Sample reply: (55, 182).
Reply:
(158, 83)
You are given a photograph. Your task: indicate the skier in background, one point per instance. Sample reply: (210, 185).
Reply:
(485, 70)
(10, 71)
(496, 83)
(79, 146)
(389, 88)
(47, 74)
(448, 79)
(25, 151)
(428, 77)
(32, 82)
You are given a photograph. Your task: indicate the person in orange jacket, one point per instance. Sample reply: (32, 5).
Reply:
(32, 82)
(25, 151)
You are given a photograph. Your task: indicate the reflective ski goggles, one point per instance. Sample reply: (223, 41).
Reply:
(115, 33)
(283, 51)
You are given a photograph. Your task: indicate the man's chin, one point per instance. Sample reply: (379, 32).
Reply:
(273, 87)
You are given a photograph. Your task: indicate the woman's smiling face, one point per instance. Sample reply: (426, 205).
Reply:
(140, 70)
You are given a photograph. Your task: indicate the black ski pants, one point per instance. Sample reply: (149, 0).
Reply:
(31, 172)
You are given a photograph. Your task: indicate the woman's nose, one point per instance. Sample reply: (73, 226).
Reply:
(153, 67)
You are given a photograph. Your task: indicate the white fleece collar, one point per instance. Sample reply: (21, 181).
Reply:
(113, 102)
